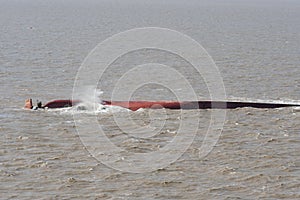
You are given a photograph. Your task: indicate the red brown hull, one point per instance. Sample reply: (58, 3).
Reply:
(135, 105)
(185, 105)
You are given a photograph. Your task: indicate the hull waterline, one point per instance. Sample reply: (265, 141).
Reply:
(135, 105)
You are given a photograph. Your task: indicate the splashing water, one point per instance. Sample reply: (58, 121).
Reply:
(90, 102)
(90, 98)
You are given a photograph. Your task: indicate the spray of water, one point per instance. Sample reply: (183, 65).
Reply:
(90, 102)
(90, 98)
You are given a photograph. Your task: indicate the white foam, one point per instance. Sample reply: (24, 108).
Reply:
(90, 103)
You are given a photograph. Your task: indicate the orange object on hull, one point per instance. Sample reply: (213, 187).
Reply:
(28, 104)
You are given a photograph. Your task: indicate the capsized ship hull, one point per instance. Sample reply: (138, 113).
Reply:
(135, 105)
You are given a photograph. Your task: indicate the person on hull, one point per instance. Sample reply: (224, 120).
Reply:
(29, 105)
